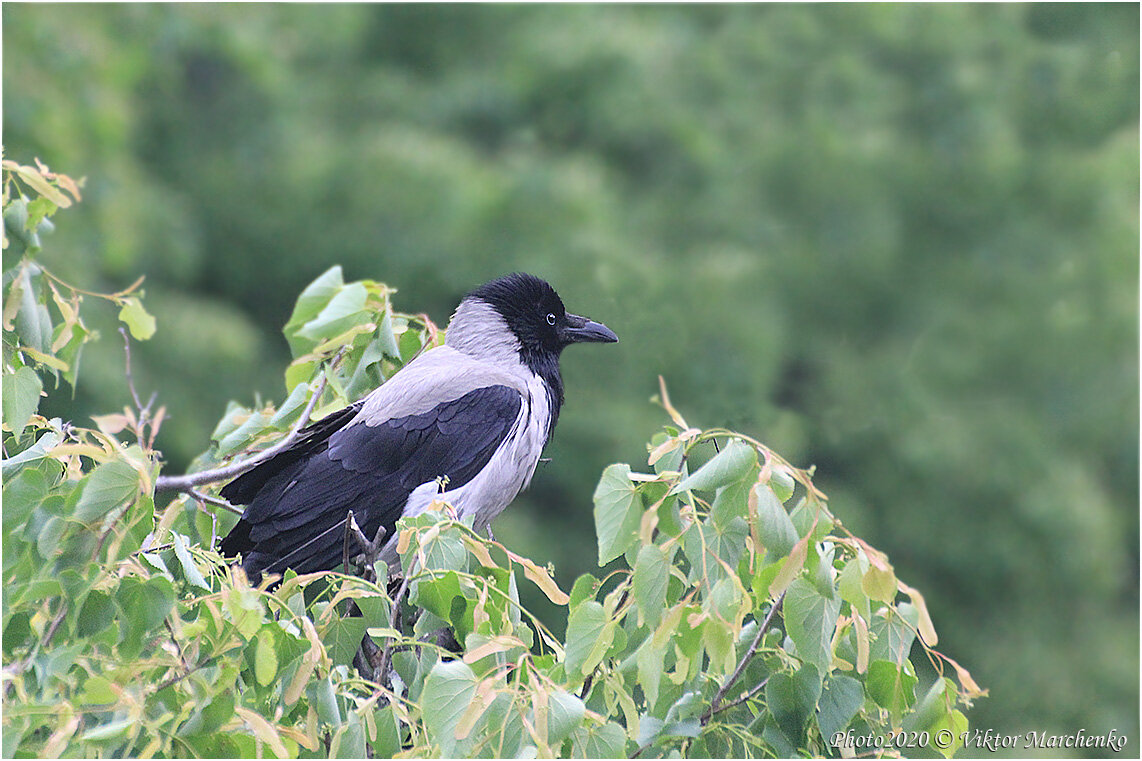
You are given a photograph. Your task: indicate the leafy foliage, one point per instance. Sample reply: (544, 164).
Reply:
(740, 618)
(896, 240)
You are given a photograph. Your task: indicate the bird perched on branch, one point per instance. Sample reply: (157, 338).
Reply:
(465, 423)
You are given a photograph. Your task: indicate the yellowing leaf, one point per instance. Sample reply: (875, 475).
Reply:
(967, 685)
(138, 320)
(926, 628)
(263, 730)
(879, 582)
(541, 579)
(265, 658)
(792, 566)
(861, 628)
(480, 550)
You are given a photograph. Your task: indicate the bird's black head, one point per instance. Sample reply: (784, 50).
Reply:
(535, 315)
(534, 312)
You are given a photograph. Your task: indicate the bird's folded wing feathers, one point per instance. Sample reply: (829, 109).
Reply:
(371, 469)
(310, 439)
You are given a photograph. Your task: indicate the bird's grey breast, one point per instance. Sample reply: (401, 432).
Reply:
(507, 473)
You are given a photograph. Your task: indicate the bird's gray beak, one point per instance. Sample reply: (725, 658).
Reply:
(580, 329)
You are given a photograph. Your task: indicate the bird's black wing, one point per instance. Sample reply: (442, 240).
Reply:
(313, 438)
(296, 517)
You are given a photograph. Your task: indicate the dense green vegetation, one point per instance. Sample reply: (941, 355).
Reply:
(740, 617)
(897, 242)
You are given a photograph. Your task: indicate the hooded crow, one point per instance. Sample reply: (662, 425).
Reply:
(465, 423)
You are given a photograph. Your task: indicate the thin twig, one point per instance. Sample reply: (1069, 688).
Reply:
(349, 526)
(143, 417)
(183, 483)
(714, 704)
(744, 696)
(383, 668)
(177, 646)
(130, 379)
(179, 677)
(20, 666)
(214, 501)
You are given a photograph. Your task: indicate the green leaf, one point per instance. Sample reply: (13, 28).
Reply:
(935, 705)
(23, 494)
(309, 304)
(324, 700)
(97, 613)
(144, 605)
(243, 434)
(782, 483)
(109, 486)
(367, 373)
(37, 451)
(411, 343)
(565, 713)
(189, 568)
(244, 607)
(775, 529)
(811, 619)
(39, 210)
(445, 552)
(342, 637)
(265, 658)
(138, 320)
(732, 500)
(345, 310)
(891, 686)
(33, 323)
(728, 465)
(584, 588)
(618, 510)
(851, 589)
(649, 581)
(879, 584)
(349, 740)
(792, 699)
(705, 542)
(291, 408)
(21, 398)
(599, 741)
(650, 664)
(893, 633)
(955, 723)
(839, 703)
(386, 341)
(587, 627)
(448, 690)
(388, 740)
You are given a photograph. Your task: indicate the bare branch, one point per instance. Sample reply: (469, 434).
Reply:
(130, 378)
(234, 469)
(743, 697)
(214, 501)
(46, 639)
(383, 667)
(715, 706)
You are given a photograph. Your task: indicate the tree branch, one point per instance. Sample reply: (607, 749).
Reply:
(743, 697)
(234, 469)
(715, 706)
(218, 501)
(383, 667)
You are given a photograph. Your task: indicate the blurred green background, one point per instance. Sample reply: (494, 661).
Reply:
(899, 242)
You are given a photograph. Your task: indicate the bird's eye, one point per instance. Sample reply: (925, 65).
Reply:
(551, 318)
